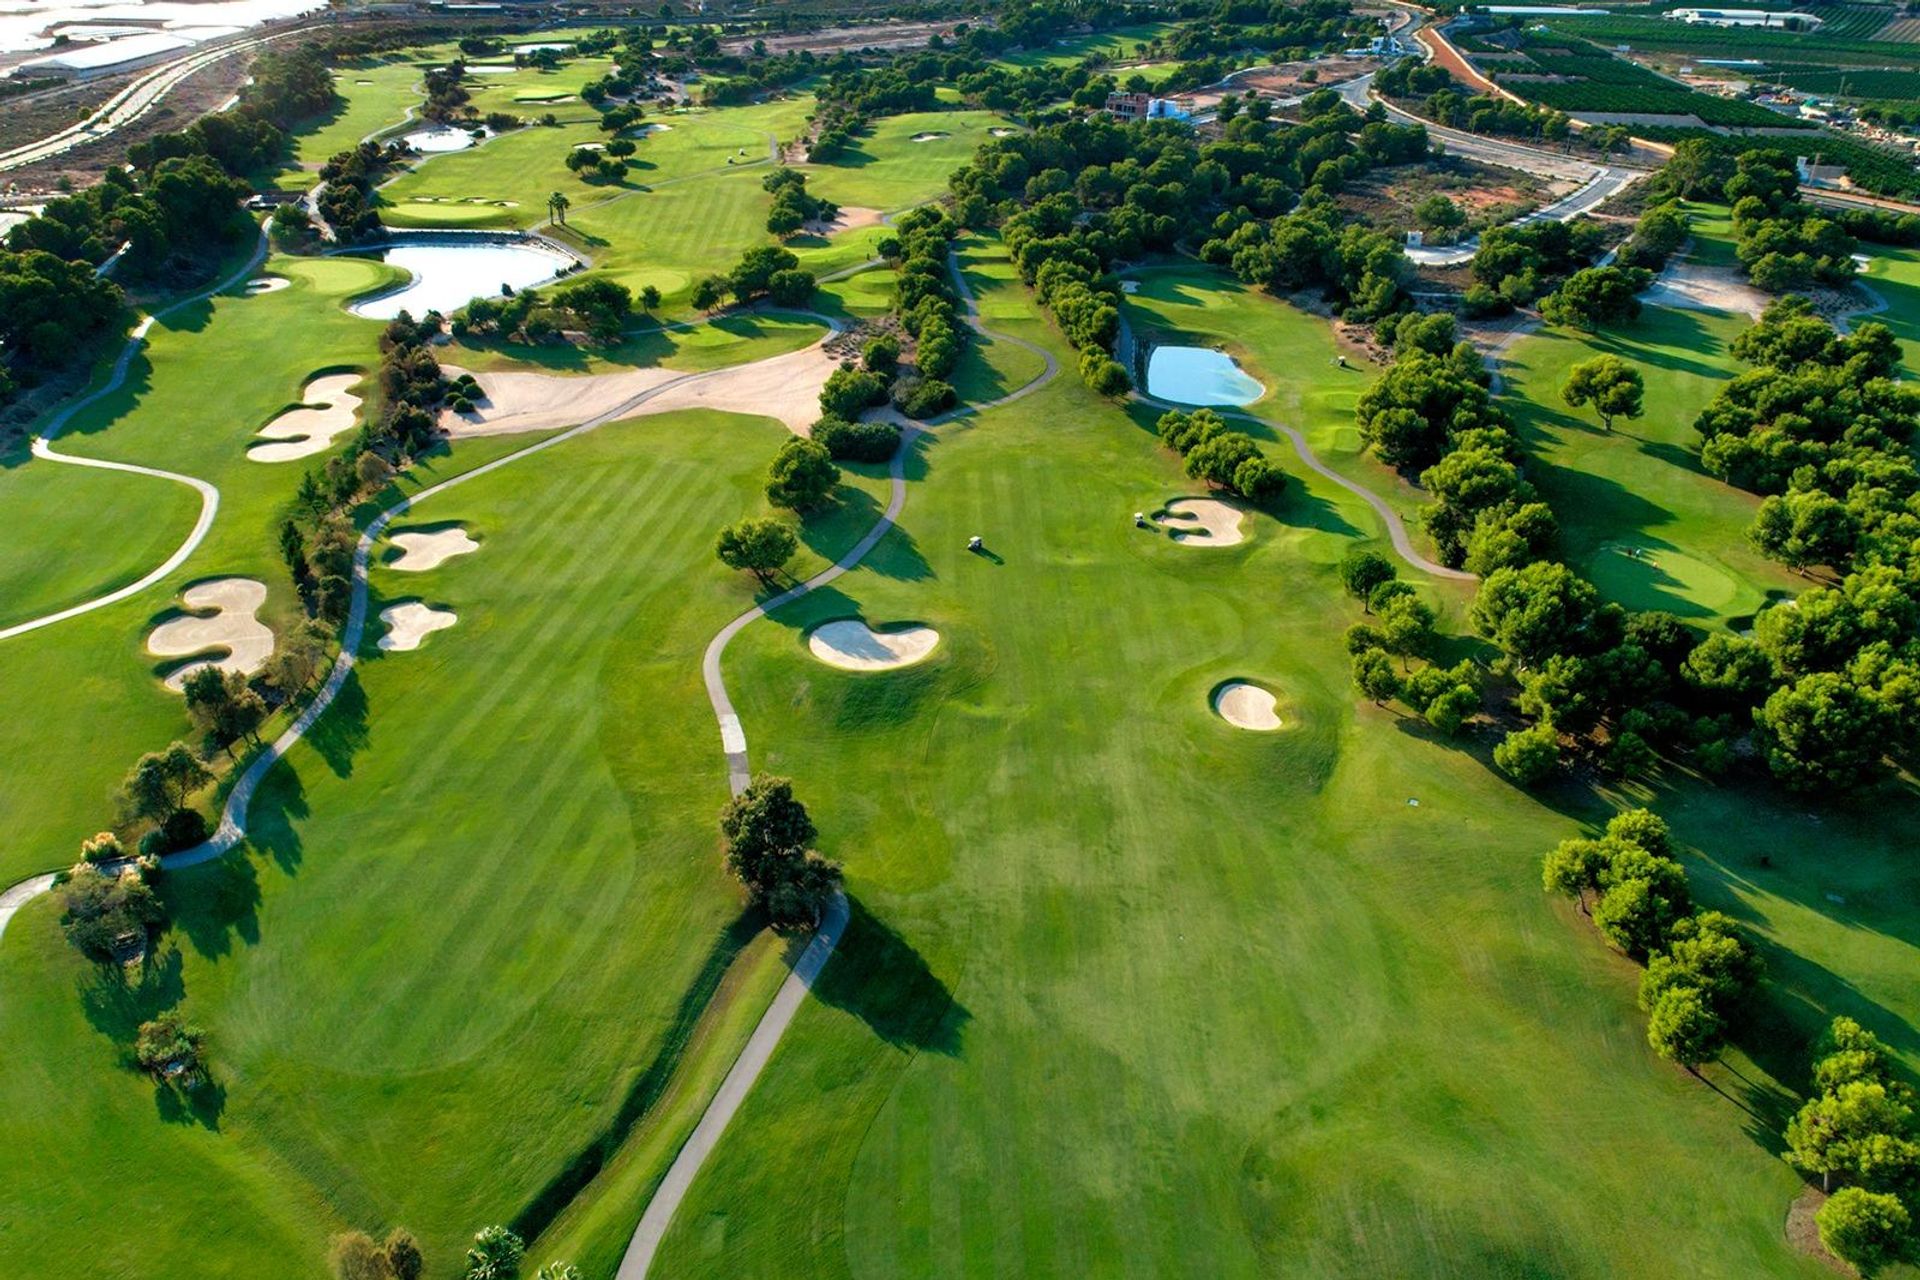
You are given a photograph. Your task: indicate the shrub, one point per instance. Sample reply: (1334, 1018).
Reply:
(881, 353)
(922, 397)
(1870, 1229)
(1530, 754)
(103, 847)
(850, 391)
(857, 441)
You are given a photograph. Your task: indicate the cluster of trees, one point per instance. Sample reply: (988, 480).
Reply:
(1859, 1129)
(763, 271)
(607, 163)
(158, 790)
(104, 909)
(52, 312)
(1594, 297)
(224, 706)
(1822, 426)
(1784, 243)
(1698, 967)
(1517, 263)
(1086, 307)
(792, 207)
(1431, 415)
(600, 308)
(282, 89)
(1402, 627)
(928, 309)
(345, 199)
(1657, 236)
(447, 98)
(1223, 459)
(770, 850)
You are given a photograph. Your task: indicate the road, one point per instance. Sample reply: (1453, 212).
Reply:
(136, 100)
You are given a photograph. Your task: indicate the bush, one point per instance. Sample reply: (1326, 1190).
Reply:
(881, 354)
(1105, 375)
(850, 391)
(857, 441)
(181, 830)
(922, 397)
(1870, 1229)
(103, 847)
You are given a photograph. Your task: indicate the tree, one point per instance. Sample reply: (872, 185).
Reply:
(760, 546)
(1682, 1027)
(1530, 754)
(1406, 625)
(102, 910)
(223, 705)
(1362, 571)
(1439, 214)
(404, 1258)
(801, 476)
(1597, 296)
(1823, 733)
(160, 782)
(557, 206)
(170, 1048)
(1804, 527)
(355, 1255)
(769, 834)
(710, 293)
(1844, 1130)
(1870, 1229)
(1536, 610)
(495, 1254)
(1374, 676)
(650, 298)
(558, 1270)
(1612, 386)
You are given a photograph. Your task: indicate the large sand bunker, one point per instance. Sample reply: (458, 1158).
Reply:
(929, 136)
(1246, 706)
(1203, 522)
(850, 218)
(852, 645)
(424, 549)
(1694, 287)
(230, 626)
(783, 387)
(410, 623)
(328, 411)
(267, 284)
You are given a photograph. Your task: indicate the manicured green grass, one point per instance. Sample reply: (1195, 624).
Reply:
(81, 533)
(1118, 44)
(471, 909)
(725, 340)
(1128, 991)
(393, 85)
(1638, 514)
(1895, 275)
(887, 169)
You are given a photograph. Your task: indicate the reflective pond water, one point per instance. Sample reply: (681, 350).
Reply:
(1199, 375)
(449, 275)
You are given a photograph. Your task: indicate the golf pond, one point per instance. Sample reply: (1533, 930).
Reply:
(1199, 376)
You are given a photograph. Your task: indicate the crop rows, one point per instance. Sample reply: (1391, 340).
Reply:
(1822, 47)
(1885, 172)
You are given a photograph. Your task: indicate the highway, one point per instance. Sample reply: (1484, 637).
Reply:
(136, 100)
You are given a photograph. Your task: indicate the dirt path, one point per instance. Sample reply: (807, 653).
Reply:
(773, 1024)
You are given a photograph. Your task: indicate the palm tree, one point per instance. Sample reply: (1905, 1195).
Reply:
(557, 206)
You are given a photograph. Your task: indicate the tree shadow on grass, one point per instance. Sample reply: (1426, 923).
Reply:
(214, 904)
(878, 977)
(834, 531)
(200, 1104)
(280, 801)
(341, 731)
(547, 1203)
(116, 1003)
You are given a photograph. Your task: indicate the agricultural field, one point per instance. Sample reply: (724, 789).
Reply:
(1108, 979)
(1588, 79)
(1824, 47)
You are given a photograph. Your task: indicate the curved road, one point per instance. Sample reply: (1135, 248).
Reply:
(773, 1023)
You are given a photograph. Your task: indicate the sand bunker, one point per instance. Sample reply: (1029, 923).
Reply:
(424, 549)
(1246, 706)
(851, 645)
(1003, 133)
(927, 137)
(784, 387)
(851, 218)
(328, 412)
(230, 626)
(267, 284)
(1203, 522)
(410, 623)
(1694, 287)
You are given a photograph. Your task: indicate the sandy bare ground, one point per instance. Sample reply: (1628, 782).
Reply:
(328, 411)
(851, 645)
(410, 623)
(852, 218)
(785, 387)
(1246, 706)
(230, 605)
(267, 284)
(424, 549)
(1204, 522)
(1701, 288)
